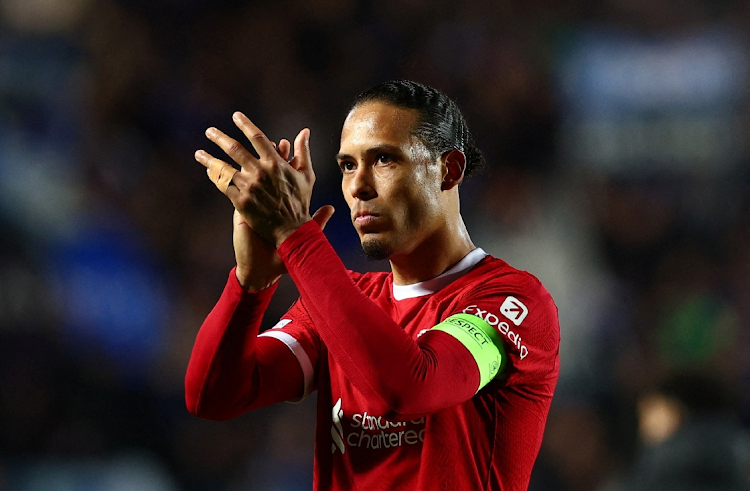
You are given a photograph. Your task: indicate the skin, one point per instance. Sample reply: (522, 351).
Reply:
(403, 202)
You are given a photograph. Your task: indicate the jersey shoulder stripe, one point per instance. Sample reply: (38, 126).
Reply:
(299, 352)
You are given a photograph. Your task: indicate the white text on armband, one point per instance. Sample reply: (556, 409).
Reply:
(503, 327)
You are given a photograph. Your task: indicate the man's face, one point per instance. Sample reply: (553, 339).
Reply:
(390, 180)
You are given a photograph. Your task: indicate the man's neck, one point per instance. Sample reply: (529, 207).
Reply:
(432, 256)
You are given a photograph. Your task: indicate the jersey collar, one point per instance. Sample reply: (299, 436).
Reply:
(402, 292)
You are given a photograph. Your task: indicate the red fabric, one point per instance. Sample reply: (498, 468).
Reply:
(231, 371)
(489, 441)
(400, 378)
(377, 367)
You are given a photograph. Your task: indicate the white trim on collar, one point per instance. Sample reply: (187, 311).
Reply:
(402, 292)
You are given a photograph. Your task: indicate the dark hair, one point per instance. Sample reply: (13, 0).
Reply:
(440, 124)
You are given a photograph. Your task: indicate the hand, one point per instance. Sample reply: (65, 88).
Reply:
(258, 263)
(271, 194)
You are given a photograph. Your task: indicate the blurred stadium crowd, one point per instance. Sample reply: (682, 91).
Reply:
(617, 133)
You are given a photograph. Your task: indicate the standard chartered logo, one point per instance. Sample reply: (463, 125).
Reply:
(373, 432)
(337, 432)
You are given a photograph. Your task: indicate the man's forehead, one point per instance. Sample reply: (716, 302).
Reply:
(371, 121)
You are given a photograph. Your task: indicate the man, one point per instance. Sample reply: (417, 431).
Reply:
(438, 375)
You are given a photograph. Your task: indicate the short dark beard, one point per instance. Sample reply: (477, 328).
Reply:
(376, 250)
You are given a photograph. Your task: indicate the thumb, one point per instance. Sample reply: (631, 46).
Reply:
(322, 216)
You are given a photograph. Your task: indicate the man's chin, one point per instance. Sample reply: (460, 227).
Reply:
(376, 249)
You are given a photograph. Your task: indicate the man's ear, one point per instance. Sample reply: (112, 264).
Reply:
(454, 165)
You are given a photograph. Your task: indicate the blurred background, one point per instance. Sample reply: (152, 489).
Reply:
(617, 133)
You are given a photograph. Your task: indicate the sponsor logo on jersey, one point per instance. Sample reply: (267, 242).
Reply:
(502, 327)
(372, 432)
(514, 310)
(337, 431)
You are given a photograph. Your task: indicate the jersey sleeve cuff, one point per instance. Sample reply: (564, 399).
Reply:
(305, 232)
(234, 289)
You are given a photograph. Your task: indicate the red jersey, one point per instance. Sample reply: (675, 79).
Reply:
(451, 441)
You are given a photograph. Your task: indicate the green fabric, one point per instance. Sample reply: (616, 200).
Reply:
(482, 341)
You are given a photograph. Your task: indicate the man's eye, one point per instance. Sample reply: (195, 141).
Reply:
(385, 158)
(346, 166)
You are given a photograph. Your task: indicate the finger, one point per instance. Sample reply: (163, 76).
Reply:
(231, 147)
(203, 157)
(257, 138)
(322, 216)
(302, 160)
(285, 148)
(282, 148)
(218, 171)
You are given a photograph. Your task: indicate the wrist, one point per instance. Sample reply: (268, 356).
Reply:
(252, 284)
(283, 234)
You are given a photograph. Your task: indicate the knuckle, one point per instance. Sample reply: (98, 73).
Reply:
(243, 201)
(239, 179)
(260, 175)
(272, 164)
(234, 147)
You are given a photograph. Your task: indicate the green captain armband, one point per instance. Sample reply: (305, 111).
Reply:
(482, 341)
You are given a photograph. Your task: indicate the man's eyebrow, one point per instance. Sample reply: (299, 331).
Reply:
(385, 147)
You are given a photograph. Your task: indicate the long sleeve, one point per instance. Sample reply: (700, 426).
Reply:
(231, 370)
(400, 377)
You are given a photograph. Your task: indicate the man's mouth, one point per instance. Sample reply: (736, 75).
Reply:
(364, 218)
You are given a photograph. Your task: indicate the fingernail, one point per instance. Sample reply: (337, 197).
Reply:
(211, 132)
(237, 116)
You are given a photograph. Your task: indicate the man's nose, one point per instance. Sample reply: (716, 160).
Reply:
(361, 185)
